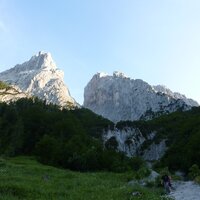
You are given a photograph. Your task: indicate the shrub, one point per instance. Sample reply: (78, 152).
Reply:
(142, 173)
(2, 162)
(194, 172)
(136, 163)
(111, 143)
(150, 184)
(197, 179)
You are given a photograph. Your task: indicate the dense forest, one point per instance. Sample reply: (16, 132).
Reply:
(72, 138)
(64, 138)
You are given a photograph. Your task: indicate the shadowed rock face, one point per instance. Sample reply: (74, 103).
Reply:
(128, 140)
(155, 151)
(131, 140)
(120, 98)
(40, 77)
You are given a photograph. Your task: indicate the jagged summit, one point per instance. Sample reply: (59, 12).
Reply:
(118, 97)
(116, 74)
(42, 60)
(119, 74)
(40, 77)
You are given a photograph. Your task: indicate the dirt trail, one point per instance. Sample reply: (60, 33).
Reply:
(185, 191)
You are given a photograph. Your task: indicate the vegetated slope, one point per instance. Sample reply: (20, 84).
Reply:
(182, 133)
(24, 178)
(64, 138)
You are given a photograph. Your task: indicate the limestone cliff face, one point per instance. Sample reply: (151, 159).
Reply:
(155, 151)
(120, 98)
(10, 94)
(128, 140)
(40, 77)
(131, 141)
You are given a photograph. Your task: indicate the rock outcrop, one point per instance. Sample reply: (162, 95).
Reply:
(127, 140)
(10, 94)
(41, 78)
(131, 141)
(121, 98)
(155, 151)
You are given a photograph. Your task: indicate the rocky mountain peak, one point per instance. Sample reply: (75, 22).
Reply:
(40, 77)
(118, 97)
(42, 60)
(119, 74)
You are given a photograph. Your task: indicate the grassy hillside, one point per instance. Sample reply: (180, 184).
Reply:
(23, 178)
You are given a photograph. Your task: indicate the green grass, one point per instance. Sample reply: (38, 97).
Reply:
(24, 178)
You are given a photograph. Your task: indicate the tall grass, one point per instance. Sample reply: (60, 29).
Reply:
(23, 178)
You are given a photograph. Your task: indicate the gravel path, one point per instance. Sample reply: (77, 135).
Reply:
(185, 191)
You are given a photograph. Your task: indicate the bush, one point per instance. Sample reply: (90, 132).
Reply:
(111, 143)
(2, 162)
(136, 163)
(194, 172)
(142, 173)
(150, 184)
(197, 179)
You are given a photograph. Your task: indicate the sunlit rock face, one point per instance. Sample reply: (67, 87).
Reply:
(121, 98)
(41, 78)
(11, 94)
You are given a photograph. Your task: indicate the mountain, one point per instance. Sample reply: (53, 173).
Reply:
(121, 98)
(40, 77)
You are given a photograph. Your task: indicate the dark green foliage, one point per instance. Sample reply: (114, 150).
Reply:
(65, 138)
(137, 163)
(143, 172)
(72, 138)
(181, 130)
(194, 172)
(111, 143)
(92, 124)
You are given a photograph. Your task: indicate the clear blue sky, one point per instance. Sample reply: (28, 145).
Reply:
(154, 40)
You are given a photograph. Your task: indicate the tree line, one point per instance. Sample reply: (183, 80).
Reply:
(59, 137)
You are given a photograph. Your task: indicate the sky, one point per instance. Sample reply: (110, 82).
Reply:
(157, 41)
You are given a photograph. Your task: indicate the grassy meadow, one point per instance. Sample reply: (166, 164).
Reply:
(25, 178)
